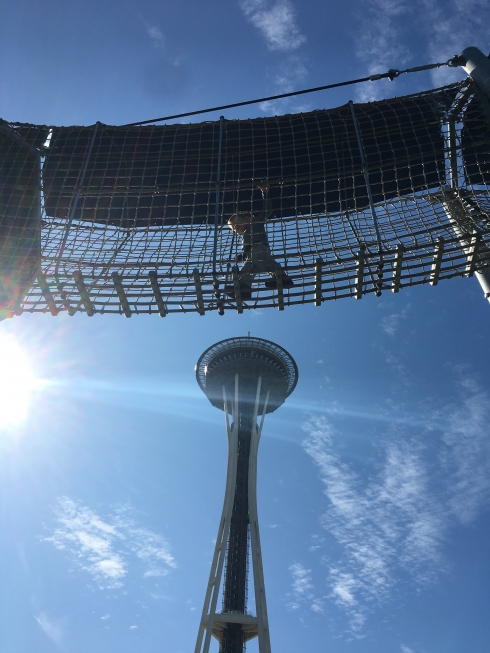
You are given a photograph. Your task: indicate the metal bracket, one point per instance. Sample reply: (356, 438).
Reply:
(397, 267)
(472, 253)
(238, 292)
(318, 281)
(436, 265)
(84, 296)
(360, 273)
(280, 291)
(199, 296)
(162, 309)
(43, 285)
(121, 294)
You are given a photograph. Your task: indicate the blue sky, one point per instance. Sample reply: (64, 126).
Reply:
(374, 477)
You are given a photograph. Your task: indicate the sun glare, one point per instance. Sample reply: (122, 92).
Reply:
(17, 381)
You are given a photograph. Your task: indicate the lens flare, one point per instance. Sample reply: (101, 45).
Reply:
(17, 380)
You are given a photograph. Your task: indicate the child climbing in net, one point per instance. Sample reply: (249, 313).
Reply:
(256, 252)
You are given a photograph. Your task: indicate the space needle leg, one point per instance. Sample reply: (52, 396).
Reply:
(209, 609)
(258, 572)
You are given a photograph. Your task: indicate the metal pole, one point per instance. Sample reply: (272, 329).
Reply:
(212, 591)
(456, 212)
(477, 65)
(371, 202)
(216, 216)
(75, 201)
(258, 571)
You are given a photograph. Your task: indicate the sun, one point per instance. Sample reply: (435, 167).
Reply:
(17, 381)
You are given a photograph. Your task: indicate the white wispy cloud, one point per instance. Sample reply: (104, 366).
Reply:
(467, 459)
(391, 323)
(406, 649)
(318, 543)
(50, 628)
(448, 26)
(379, 42)
(103, 547)
(301, 580)
(302, 587)
(454, 25)
(381, 525)
(394, 523)
(290, 75)
(155, 33)
(276, 22)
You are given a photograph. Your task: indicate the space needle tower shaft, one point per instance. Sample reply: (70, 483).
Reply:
(246, 378)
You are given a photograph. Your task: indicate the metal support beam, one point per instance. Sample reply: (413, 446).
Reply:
(211, 599)
(258, 571)
(397, 267)
(84, 296)
(199, 296)
(318, 281)
(43, 285)
(484, 279)
(280, 291)
(238, 291)
(217, 294)
(162, 309)
(123, 300)
(74, 205)
(365, 172)
(472, 253)
(436, 265)
(460, 102)
(463, 224)
(360, 273)
(453, 159)
(7, 129)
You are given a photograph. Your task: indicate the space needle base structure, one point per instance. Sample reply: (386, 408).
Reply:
(246, 378)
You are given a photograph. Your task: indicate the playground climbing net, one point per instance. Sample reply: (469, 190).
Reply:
(365, 198)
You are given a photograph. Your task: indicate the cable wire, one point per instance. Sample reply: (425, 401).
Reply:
(391, 74)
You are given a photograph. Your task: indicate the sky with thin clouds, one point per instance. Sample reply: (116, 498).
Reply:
(374, 477)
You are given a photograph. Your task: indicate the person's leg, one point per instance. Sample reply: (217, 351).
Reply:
(246, 274)
(264, 262)
(246, 278)
(287, 282)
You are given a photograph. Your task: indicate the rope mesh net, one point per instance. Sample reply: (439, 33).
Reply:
(364, 198)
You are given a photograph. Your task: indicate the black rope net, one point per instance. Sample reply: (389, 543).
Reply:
(362, 198)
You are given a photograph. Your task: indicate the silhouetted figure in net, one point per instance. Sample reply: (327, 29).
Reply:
(256, 254)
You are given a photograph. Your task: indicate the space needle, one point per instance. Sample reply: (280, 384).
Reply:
(246, 378)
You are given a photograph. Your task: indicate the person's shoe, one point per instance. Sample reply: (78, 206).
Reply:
(245, 292)
(287, 282)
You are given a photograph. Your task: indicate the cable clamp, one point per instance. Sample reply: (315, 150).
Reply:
(456, 61)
